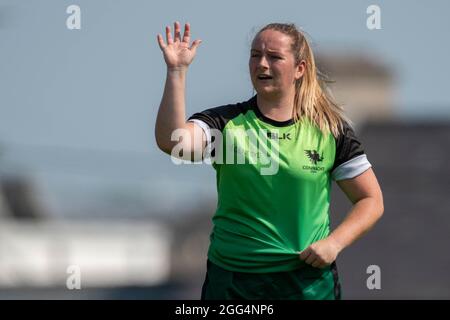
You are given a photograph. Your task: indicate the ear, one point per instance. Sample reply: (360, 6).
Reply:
(300, 70)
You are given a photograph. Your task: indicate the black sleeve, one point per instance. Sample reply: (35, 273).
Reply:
(218, 117)
(348, 146)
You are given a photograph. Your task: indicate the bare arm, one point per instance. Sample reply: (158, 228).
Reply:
(365, 194)
(171, 114)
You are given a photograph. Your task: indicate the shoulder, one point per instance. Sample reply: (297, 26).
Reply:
(218, 117)
(350, 159)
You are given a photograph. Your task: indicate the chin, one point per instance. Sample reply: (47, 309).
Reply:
(265, 90)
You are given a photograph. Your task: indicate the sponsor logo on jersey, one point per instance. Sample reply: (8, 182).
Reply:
(276, 135)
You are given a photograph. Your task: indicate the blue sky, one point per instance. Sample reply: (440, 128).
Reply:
(100, 86)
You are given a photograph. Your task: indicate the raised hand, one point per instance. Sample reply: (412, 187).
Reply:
(177, 52)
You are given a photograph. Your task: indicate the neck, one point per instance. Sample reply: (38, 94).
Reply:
(278, 108)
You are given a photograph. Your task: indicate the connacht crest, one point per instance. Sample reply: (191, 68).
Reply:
(314, 156)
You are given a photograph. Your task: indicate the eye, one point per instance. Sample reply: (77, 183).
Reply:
(276, 57)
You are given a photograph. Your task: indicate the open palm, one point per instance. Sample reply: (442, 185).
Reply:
(177, 52)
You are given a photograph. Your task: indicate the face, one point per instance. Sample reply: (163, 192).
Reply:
(271, 55)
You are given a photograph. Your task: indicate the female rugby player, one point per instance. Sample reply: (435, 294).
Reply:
(271, 237)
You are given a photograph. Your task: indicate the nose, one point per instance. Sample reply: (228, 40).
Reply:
(262, 62)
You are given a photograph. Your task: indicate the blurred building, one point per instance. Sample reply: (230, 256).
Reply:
(39, 252)
(18, 198)
(361, 83)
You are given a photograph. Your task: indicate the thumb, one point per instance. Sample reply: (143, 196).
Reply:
(305, 253)
(195, 45)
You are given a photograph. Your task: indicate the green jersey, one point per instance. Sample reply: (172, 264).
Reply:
(263, 219)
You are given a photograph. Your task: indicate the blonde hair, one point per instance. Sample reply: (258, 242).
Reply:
(312, 97)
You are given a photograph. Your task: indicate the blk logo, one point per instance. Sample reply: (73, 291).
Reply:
(313, 156)
(275, 135)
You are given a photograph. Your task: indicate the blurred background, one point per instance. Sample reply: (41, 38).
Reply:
(82, 182)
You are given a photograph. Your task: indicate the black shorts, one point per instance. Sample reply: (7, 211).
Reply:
(307, 283)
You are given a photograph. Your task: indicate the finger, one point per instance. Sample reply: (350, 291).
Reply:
(316, 263)
(187, 33)
(177, 31)
(168, 36)
(195, 45)
(305, 253)
(311, 258)
(161, 43)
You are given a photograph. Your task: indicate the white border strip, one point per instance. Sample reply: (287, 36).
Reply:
(352, 168)
(205, 129)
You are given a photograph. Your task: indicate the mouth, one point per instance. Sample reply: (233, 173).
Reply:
(264, 77)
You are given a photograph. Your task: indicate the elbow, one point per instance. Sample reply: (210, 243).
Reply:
(380, 205)
(161, 147)
(162, 144)
(382, 210)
